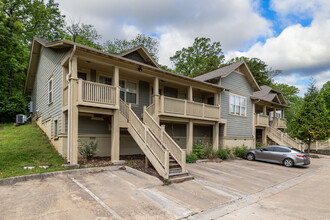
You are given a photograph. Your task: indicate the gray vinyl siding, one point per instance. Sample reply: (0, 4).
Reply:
(88, 126)
(144, 97)
(237, 126)
(49, 66)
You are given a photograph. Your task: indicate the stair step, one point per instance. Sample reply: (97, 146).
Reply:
(181, 179)
(177, 174)
(175, 170)
(174, 165)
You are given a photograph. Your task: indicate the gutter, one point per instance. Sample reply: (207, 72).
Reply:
(69, 101)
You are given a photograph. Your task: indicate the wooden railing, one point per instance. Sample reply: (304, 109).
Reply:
(151, 147)
(151, 109)
(97, 94)
(190, 109)
(261, 120)
(279, 122)
(178, 154)
(283, 138)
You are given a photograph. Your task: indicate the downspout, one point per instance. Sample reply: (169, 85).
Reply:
(68, 76)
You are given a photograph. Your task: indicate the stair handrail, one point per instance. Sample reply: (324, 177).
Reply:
(176, 151)
(156, 148)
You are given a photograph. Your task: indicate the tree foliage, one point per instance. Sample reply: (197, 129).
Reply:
(312, 122)
(259, 69)
(19, 22)
(202, 57)
(325, 93)
(84, 34)
(120, 46)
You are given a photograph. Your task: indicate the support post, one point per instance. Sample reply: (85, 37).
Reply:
(264, 110)
(190, 136)
(216, 136)
(156, 98)
(73, 117)
(115, 125)
(190, 93)
(264, 137)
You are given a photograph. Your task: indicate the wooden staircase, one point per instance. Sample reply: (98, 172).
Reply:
(282, 138)
(175, 172)
(168, 159)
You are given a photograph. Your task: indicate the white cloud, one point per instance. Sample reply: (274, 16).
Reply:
(296, 48)
(235, 24)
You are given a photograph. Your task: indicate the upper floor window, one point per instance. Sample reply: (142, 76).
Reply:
(82, 75)
(237, 105)
(105, 80)
(128, 91)
(50, 90)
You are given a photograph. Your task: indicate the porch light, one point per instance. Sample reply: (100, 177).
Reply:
(140, 68)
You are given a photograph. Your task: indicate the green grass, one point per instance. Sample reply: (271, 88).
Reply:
(26, 145)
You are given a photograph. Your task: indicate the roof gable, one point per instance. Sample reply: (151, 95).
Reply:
(141, 55)
(240, 67)
(270, 95)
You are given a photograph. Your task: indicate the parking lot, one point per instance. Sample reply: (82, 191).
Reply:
(234, 189)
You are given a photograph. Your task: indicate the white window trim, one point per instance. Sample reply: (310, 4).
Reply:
(234, 114)
(137, 90)
(50, 90)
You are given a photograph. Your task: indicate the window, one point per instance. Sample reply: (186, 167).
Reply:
(55, 129)
(50, 90)
(128, 91)
(105, 80)
(237, 105)
(198, 99)
(82, 76)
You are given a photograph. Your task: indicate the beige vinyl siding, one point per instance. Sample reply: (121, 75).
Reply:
(237, 126)
(49, 66)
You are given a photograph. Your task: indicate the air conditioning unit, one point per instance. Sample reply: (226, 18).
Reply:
(20, 119)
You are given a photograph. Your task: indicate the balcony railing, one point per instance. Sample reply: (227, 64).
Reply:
(261, 120)
(97, 95)
(279, 122)
(189, 109)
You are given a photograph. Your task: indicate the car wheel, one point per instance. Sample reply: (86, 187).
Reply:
(288, 162)
(250, 156)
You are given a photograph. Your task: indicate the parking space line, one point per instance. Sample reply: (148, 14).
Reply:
(112, 212)
(167, 203)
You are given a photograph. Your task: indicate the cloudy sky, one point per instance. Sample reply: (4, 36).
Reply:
(290, 35)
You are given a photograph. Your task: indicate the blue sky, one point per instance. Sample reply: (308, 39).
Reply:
(290, 35)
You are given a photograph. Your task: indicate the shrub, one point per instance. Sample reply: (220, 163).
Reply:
(191, 158)
(222, 153)
(210, 153)
(259, 145)
(87, 150)
(198, 150)
(239, 151)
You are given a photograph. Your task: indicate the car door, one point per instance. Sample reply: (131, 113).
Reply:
(279, 154)
(264, 153)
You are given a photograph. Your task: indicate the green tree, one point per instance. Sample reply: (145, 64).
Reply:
(325, 92)
(84, 34)
(294, 102)
(202, 57)
(37, 18)
(259, 69)
(13, 60)
(312, 122)
(120, 46)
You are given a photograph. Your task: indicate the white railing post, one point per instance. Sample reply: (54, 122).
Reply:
(183, 160)
(203, 111)
(162, 133)
(185, 107)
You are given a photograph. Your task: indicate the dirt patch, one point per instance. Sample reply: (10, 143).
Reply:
(95, 162)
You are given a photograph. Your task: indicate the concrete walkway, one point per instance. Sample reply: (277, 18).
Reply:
(236, 189)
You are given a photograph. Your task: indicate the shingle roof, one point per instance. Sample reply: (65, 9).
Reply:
(219, 72)
(266, 95)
